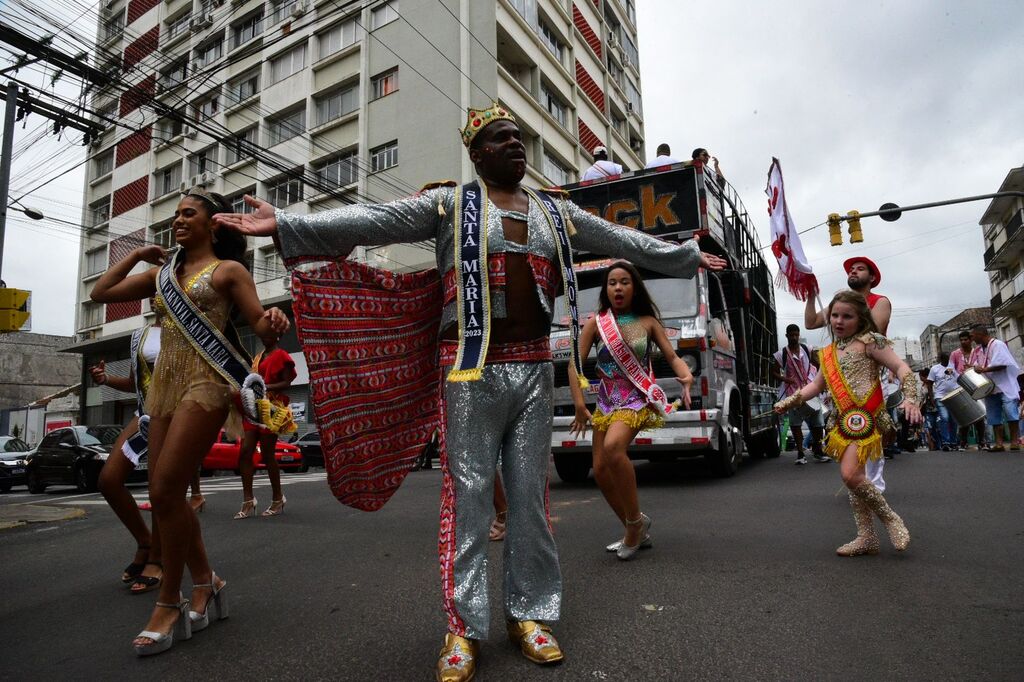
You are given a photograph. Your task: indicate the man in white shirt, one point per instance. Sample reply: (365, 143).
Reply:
(795, 368)
(993, 358)
(942, 377)
(664, 157)
(602, 168)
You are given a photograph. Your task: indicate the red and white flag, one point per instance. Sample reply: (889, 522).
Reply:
(795, 273)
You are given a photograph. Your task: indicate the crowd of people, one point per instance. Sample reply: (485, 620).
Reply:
(503, 251)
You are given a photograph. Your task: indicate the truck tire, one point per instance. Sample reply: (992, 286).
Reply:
(772, 448)
(571, 467)
(725, 462)
(34, 485)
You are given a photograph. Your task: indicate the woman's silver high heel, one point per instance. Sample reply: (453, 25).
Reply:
(625, 552)
(162, 641)
(200, 621)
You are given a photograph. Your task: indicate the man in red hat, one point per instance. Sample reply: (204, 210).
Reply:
(862, 276)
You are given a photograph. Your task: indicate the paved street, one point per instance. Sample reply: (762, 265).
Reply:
(742, 583)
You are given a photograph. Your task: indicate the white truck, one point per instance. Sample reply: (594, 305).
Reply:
(723, 325)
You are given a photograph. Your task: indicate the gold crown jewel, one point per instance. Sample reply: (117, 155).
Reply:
(480, 118)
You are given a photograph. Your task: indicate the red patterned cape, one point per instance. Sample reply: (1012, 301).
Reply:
(370, 339)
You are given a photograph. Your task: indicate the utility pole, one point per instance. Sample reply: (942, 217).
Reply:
(5, 163)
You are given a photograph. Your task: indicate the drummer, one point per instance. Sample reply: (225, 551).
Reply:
(795, 368)
(942, 380)
(993, 358)
(960, 360)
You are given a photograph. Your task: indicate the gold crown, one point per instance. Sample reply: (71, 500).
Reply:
(480, 118)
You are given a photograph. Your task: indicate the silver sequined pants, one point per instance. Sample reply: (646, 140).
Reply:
(506, 415)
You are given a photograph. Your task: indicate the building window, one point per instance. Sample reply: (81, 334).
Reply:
(556, 171)
(617, 74)
(629, 51)
(339, 37)
(103, 163)
(284, 191)
(631, 11)
(168, 180)
(383, 14)
(209, 53)
(114, 26)
(95, 261)
(92, 315)
(202, 161)
(177, 26)
(633, 97)
(551, 41)
(243, 88)
(287, 64)
(337, 104)
(282, 10)
(106, 113)
(246, 29)
(163, 235)
(619, 124)
(176, 75)
(243, 146)
(527, 10)
(208, 107)
(272, 266)
(384, 84)
(384, 157)
(168, 128)
(554, 106)
(99, 211)
(339, 171)
(287, 126)
(238, 204)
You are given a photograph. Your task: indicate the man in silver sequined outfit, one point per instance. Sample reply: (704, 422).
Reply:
(506, 415)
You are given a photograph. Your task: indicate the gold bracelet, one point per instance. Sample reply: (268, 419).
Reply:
(911, 387)
(792, 401)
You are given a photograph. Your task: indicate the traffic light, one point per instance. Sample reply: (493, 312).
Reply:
(853, 218)
(835, 233)
(15, 309)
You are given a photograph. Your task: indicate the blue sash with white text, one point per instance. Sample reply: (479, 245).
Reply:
(471, 282)
(137, 445)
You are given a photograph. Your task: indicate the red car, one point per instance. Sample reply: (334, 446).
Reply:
(224, 455)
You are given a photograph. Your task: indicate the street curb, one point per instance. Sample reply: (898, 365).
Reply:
(13, 516)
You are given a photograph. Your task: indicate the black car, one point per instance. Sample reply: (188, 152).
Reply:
(74, 456)
(309, 444)
(12, 462)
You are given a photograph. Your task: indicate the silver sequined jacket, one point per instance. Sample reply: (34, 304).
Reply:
(337, 231)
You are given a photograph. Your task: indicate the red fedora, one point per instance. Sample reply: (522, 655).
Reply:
(870, 263)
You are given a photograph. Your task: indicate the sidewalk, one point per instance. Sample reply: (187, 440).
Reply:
(14, 515)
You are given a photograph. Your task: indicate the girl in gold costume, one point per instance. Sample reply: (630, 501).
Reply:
(623, 410)
(850, 370)
(188, 400)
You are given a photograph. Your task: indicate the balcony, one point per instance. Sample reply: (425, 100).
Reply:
(1009, 253)
(1013, 304)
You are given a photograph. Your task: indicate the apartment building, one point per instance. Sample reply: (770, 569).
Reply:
(313, 104)
(1004, 261)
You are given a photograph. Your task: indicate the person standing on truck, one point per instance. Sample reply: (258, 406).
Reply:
(862, 276)
(795, 368)
(495, 359)
(602, 167)
(708, 161)
(850, 370)
(626, 328)
(663, 158)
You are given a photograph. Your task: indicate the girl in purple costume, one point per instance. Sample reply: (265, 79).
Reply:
(622, 409)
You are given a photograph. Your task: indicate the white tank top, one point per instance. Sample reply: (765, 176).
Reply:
(151, 348)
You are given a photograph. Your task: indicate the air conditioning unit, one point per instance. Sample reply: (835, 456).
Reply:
(200, 22)
(613, 40)
(95, 142)
(189, 131)
(636, 145)
(207, 178)
(184, 187)
(301, 7)
(87, 336)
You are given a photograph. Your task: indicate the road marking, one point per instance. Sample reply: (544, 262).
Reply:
(227, 485)
(48, 500)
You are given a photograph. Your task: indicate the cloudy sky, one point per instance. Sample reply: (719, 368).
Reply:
(863, 103)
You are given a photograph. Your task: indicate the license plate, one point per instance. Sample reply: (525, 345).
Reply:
(287, 458)
(18, 471)
(143, 466)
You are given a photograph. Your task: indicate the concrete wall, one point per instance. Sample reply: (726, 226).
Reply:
(31, 367)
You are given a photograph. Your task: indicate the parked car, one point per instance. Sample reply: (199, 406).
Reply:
(311, 450)
(74, 455)
(12, 462)
(225, 451)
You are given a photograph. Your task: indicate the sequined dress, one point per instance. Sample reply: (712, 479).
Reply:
(617, 398)
(861, 374)
(181, 374)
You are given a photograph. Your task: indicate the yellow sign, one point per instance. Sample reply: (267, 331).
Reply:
(15, 309)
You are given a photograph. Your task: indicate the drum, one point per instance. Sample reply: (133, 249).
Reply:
(964, 409)
(975, 384)
(894, 400)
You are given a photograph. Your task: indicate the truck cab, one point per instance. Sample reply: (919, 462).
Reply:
(721, 324)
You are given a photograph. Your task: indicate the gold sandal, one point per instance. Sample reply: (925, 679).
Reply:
(248, 509)
(276, 507)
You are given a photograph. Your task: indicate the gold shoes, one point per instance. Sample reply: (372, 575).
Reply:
(457, 662)
(535, 641)
(866, 542)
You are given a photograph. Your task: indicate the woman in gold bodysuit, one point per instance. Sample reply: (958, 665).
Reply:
(850, 369)
(188, 400)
